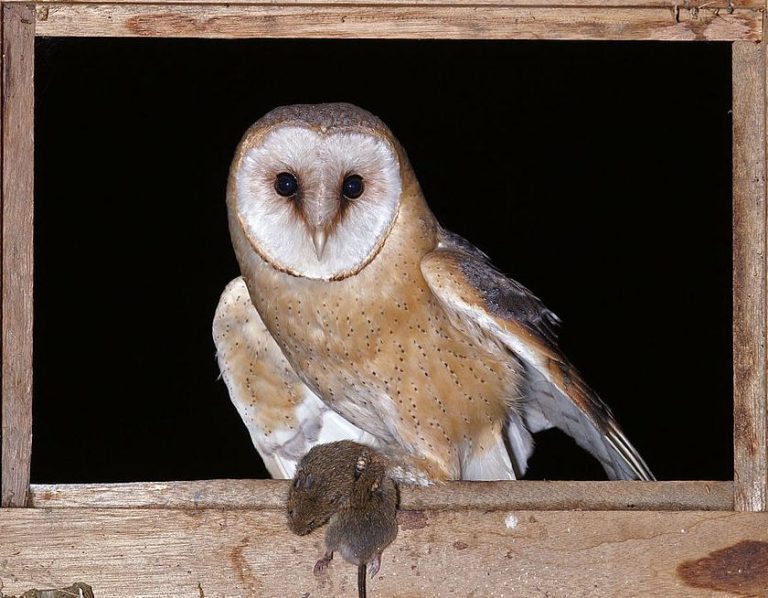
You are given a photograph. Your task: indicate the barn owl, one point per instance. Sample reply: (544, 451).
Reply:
(357, 316)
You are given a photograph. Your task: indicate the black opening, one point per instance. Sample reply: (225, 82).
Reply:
(597, 174)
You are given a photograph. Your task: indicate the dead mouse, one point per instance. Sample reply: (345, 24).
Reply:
(325, 476)
(346, 483)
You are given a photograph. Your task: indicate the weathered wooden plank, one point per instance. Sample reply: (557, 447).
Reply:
(2, 367)
(270, 494)
(688, 5)
(18, 162)
(397, 22)
(209, 552)
(749, 278)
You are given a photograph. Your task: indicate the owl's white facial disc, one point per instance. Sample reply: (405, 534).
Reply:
(318, 232)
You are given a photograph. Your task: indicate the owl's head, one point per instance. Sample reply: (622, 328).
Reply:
(315, 188)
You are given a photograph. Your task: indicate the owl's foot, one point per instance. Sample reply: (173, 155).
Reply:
(322, 564)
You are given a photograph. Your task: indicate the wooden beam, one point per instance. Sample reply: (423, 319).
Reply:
(487, 496)
(2, 246)
(686, 5)
(749, 278)
(212, 552)
(390, 21)
(18, 163)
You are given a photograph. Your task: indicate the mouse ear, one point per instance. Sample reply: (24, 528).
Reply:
(309, 480)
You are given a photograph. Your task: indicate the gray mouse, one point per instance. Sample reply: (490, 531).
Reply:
(346, 484)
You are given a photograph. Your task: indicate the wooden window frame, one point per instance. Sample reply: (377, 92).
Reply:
(657, 534)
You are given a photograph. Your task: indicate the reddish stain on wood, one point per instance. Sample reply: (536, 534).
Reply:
(242, 568)
(740, 569)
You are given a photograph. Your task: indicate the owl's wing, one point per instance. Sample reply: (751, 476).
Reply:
(472, 290)
(284, 417)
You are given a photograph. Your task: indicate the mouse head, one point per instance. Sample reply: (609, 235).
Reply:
(324, 483)
(312, 501)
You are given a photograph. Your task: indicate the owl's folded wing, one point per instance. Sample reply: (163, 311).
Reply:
(473, 291)
(283, 416)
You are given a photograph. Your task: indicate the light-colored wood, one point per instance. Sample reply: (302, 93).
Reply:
(686, 5)
(749, 278)
(395, 22)
(270, 494)
(18, 162)
(2, 248)
(209, 552)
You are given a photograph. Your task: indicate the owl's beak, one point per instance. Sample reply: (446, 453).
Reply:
(319, 237)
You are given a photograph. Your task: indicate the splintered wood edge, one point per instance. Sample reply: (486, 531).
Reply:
(271, 494)
(17, 214)
(749, 277)
(395, 21)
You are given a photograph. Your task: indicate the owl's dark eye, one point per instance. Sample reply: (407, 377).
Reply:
(286, 184)
(353, 187)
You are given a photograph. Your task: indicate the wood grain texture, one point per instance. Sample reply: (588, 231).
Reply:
(18, 163)
(686, 5)
(397, 22)
(749, 278)
(211, 552)
(270, 494)
(2, 277)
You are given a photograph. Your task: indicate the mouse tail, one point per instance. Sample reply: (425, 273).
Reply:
(361, 580)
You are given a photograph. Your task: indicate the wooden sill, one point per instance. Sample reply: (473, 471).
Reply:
(486, 496)
(250, 552)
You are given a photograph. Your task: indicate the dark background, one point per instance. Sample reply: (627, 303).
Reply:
(597, 174)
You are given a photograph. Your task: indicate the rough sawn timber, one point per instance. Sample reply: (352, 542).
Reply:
(406, 21)
(486, 496)
(749, 278)
(17, 215)
(212, 552)
(687, 5)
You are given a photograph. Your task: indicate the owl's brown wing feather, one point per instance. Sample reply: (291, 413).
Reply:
(283, 416)
(467, 285)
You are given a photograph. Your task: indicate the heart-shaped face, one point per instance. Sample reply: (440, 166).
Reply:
(316, 195)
